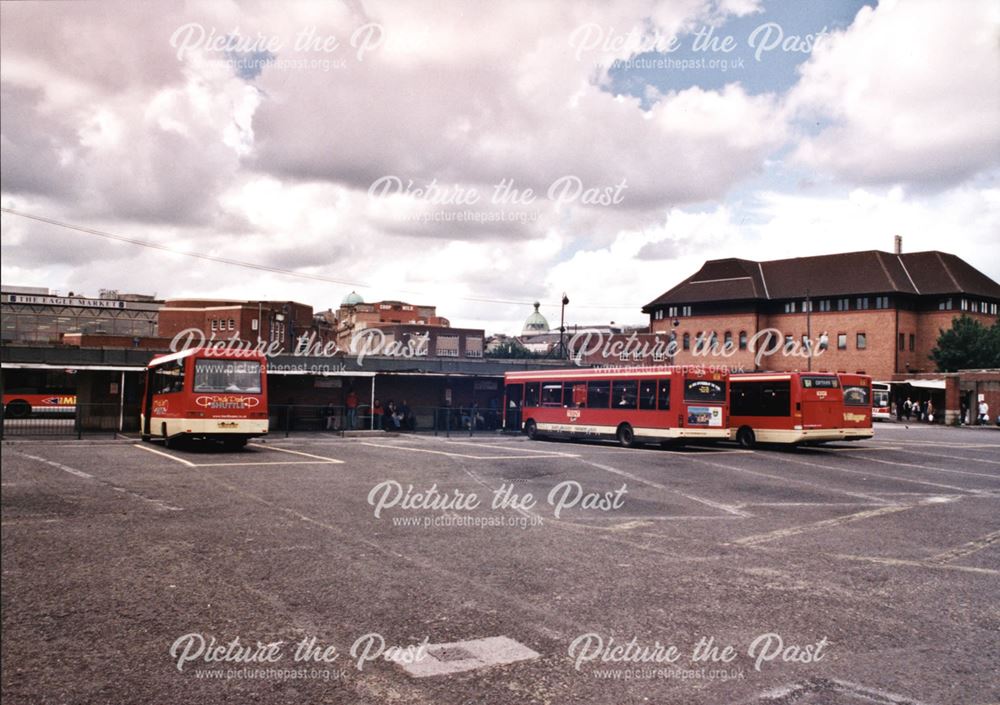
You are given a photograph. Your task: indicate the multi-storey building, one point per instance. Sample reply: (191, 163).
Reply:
(873, 312)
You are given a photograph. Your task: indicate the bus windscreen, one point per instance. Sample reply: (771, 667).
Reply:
(227, 376)
(856, 395)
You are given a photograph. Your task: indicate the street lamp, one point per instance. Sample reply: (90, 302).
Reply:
(562, 325)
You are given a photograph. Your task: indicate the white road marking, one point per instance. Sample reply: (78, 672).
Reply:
(165, 455)
(929, 467)
(299, 452)
(468, 456)
(64, 468)
(280, 462)
(967, 548)
(818, 525)
(914, 564)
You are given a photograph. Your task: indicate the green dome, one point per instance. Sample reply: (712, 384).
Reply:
(352, 299)
(535, 323)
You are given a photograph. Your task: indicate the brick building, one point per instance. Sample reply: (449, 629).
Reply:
(283, 323)
(872, 312)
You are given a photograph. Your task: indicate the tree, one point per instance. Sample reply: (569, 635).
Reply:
(968, 345)
(512, 350)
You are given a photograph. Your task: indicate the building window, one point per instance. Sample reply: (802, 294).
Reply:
(807, 306)
(727, 341)
(902, 341)
(743, 340)
(232, 324)
(964, 304)
(944, 305)
(657, 356)
(881, 302)
(672, 312)
(913, 342)
(215, 325)
(843, 304)
(623, 356)
(974, 307)
(789, 307)
(861, 303)
(824, 305)
(686, 344)
(789, 342)
(446, 346)
(841, 341)
(685, 310)
(473, 347)
(862, 341)
(658, 314)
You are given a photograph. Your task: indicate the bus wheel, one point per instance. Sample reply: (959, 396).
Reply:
(531, 428)
(746, 438)
(234, 443)
(18, 409)
(146, 438)
(626, 436)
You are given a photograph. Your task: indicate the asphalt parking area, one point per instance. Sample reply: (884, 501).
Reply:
(497, 570)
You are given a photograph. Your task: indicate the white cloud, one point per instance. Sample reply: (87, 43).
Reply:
(907, 94)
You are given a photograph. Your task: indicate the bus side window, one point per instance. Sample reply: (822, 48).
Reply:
(663, 396)
(531, 394)
(552, 394)
(624, 393)
(599, 394)
(647, 394)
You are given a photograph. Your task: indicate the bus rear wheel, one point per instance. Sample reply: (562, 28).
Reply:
(626, 436)
(234, 443)
(18, 409)
(531, 428)
(746, 438)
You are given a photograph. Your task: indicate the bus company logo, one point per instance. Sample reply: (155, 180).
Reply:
(572, 414)
(854, 418)
(59, 401)
(821, 394)
(227, 401)
(160, 406)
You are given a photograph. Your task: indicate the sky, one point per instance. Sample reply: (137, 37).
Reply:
(482, 156)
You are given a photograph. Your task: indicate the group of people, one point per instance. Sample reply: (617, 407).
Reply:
(917, 410)
(392, 417)
(981, 414)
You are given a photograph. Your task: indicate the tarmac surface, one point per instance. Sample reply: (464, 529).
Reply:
(378, 570)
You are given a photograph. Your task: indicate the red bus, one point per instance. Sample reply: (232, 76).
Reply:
(206, 394)
(629, 405)
(881, 410)
(858, 411)
(785, 407)
(38, 392)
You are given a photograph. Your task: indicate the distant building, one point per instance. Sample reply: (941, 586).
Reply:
(872, 312)
(284, 324)
(39, 315)
(355, 315)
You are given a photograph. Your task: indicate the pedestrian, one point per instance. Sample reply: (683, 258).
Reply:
(406, 418)
(907, 408)
(963, 415)
(377, 412)
(899, 410)
(351, 403)
(330, 414)
(930, 411)
(984, 413)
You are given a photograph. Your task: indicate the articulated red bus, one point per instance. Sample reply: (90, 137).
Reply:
(206, 394)
(857, 392)
(629, 405)
(785, 407)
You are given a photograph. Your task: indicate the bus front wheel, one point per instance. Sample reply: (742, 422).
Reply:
(626, 436)
(531, 428)
(746, 438)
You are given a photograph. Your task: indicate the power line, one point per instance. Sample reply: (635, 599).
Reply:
(268, 268)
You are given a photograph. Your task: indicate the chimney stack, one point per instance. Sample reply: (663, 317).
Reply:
(899, 245)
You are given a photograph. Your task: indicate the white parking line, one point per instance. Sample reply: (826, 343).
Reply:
(818, 525)
(468, 456)
(914, 564)
(967, 549)
(64, 468)
(299, 452)
(165, 455)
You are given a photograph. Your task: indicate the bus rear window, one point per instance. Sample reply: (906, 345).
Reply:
(856, 396)
(227, 376)
(704, 390)
(820, 383)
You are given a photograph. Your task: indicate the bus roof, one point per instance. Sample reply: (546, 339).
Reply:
(225, 354)
(771, 376)
(574, 373)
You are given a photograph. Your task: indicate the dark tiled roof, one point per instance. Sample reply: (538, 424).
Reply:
(845, 274)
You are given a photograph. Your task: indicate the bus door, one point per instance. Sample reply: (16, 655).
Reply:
(513, 399)
(147, 402)
(820, 402)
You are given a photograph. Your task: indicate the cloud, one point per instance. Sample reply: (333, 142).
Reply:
(907, 94)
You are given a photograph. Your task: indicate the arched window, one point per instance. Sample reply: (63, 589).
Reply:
(687, 341)
(743, 340)
(727, 341)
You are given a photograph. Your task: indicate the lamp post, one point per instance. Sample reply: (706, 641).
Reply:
(809, 330)
(562, 326)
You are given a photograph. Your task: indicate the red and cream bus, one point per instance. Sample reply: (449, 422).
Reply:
(881, 410)
(206, 394)
(629, 405)
(785, 407)
(858, 411)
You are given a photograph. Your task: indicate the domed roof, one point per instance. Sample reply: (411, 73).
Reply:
(535, 323)
(352, 299)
